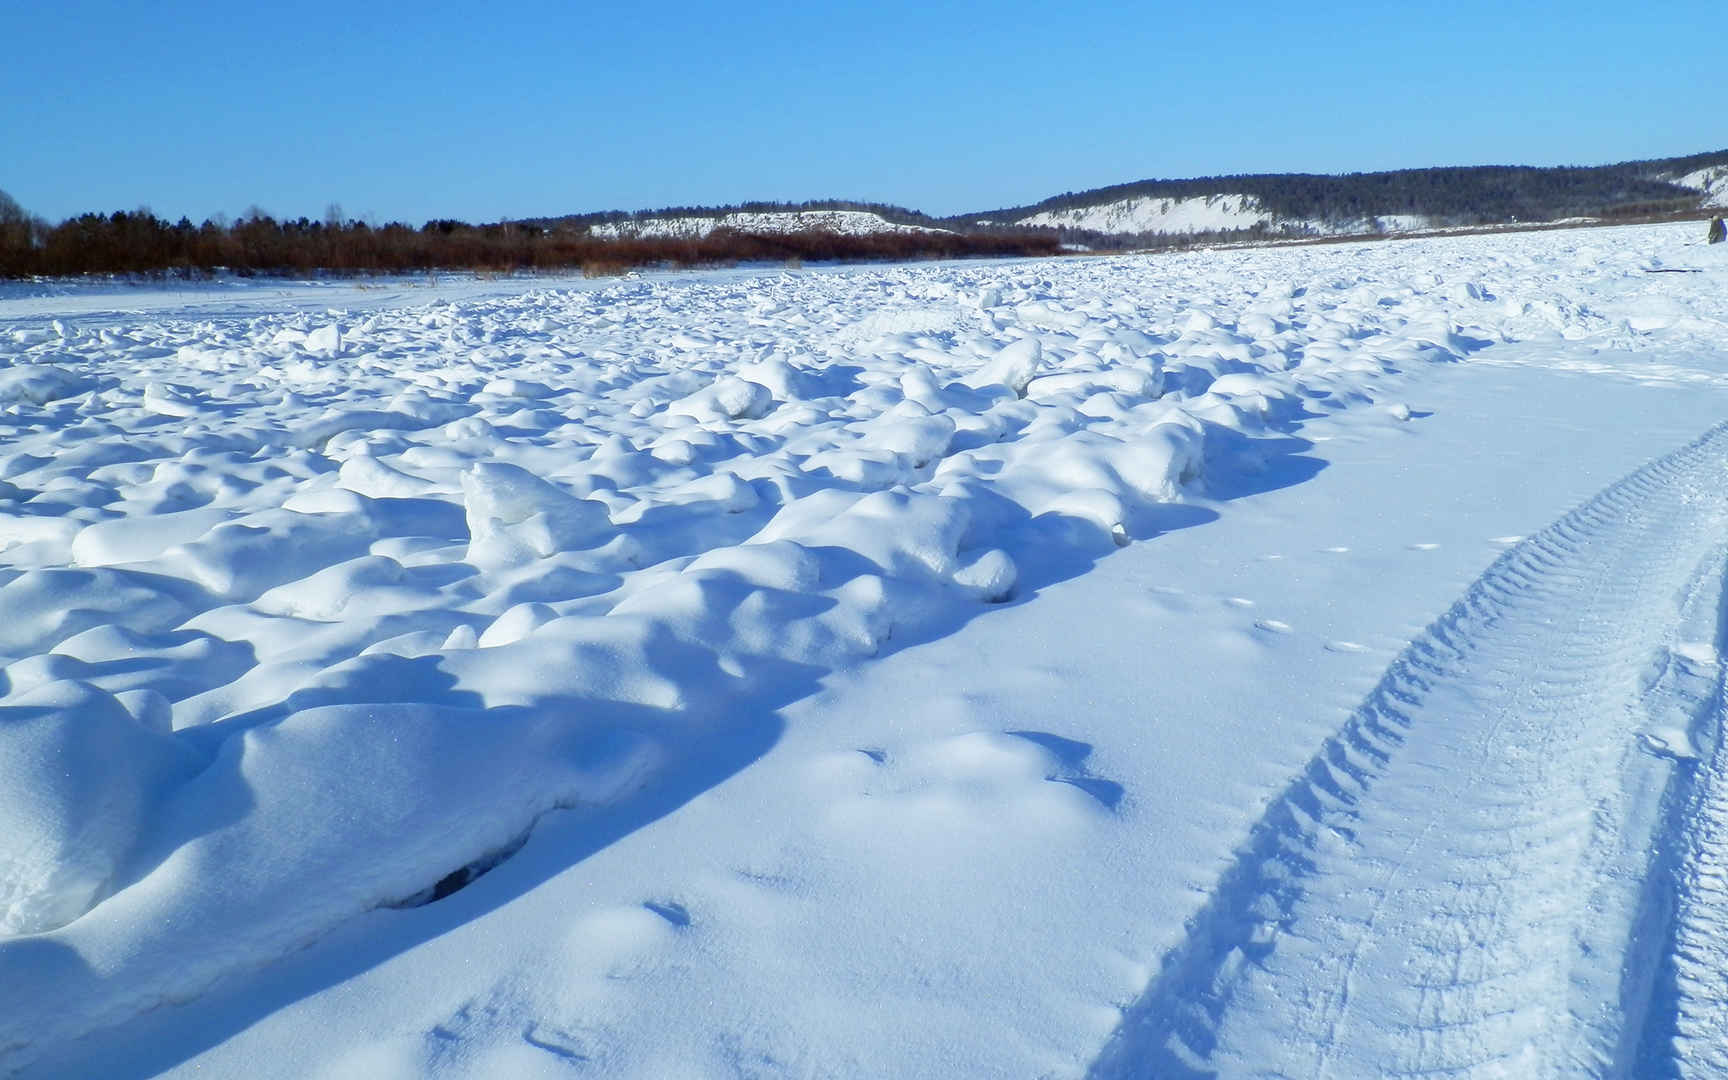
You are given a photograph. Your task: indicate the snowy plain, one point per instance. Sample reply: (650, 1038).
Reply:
(1287, 662)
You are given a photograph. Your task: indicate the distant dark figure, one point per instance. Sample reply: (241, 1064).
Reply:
(1718, 231)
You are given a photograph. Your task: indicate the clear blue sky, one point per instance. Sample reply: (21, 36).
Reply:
(489, 110)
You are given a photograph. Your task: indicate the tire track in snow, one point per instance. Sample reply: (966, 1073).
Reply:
(1442, 889)
(1692, 1039)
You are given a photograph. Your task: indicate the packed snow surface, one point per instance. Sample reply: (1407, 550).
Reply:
(845, 222)
(1283, 662)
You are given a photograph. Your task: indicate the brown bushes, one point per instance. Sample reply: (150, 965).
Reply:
(141, 243)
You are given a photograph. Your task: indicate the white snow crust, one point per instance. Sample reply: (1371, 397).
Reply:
(1041, 668)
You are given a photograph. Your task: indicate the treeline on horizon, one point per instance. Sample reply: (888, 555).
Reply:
(1451, 195)
(139, 242)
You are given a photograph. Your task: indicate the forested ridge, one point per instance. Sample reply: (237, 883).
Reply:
(1450, 195)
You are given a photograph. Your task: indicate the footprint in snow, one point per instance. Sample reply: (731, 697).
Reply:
(1174, 601)
(1345, 647)
(1272, 626)
(1424, 547)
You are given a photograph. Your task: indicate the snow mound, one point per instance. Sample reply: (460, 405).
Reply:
(1013, 367)
(727, 399)
(79, 777)
(515, 517)
(41, 383)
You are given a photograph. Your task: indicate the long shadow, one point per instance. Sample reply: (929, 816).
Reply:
(1255, 466)
(171, 1035)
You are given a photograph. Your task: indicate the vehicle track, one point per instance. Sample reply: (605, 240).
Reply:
(1692, 1040)
(1466, 879)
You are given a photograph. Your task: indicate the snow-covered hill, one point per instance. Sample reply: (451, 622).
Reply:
(1215, 213)
(1396, 201)
(844, 222)
(1711, 182)
(1145, 214)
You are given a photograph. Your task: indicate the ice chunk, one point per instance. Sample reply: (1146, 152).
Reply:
(1013, 367)
(325, 341)
(920, 440)
(514, 516)
(730, 398)
(518, 388)
(40, 383)
(167, 400)
(780, 378)
(918, 384)
(990, 577)
(1135, 382)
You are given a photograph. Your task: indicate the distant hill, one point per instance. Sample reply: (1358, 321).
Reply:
(1155, 213)
(1145, 214)
(1405, 200)
(842, 216)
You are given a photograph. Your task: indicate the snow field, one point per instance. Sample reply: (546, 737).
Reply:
(596, 499)
(371, 594)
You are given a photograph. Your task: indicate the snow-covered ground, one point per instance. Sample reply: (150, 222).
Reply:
(1282, 662)
(844, 222)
